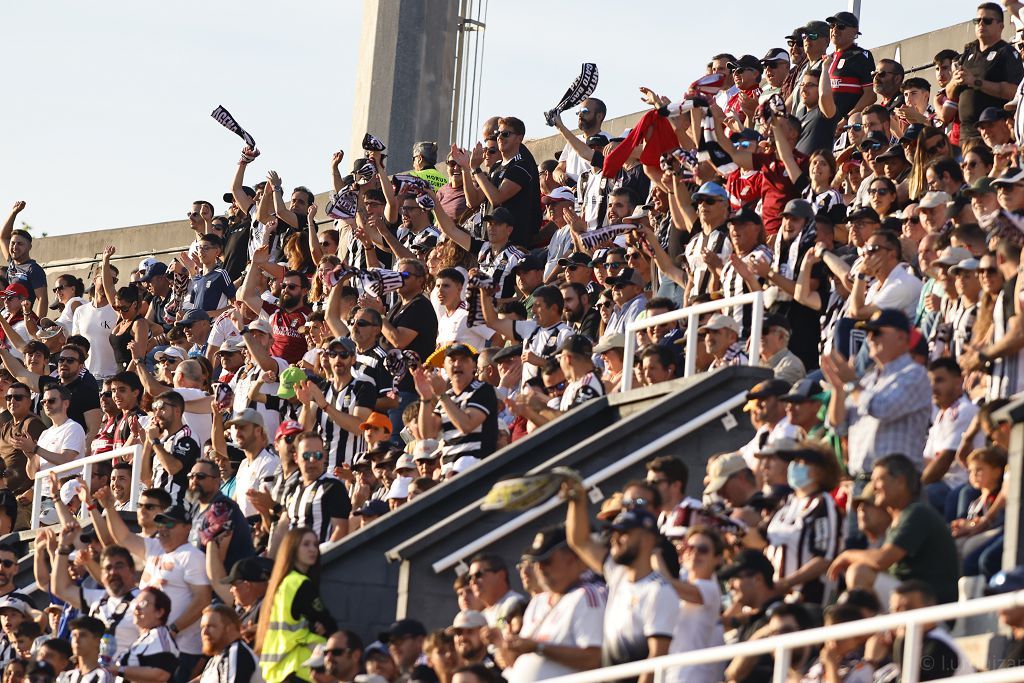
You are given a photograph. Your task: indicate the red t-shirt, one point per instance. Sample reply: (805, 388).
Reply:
(744, 188)
(777, 187)
(289, 342)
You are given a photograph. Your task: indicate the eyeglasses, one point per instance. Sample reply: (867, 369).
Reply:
(839, 27)
(51, 401)
(790, 42)
(987, 21)
(992, 270)
(607, 304)
(506, 134)
(290, 286)
(697, 549)
(630, 503)
(15, 397)
(478, 576)
(58, 288)
(199, 476)
(339, 354)
(705, 200)
(7, 564)
(556, 387)
(634, 257)
(812, 36)
(875, 248)
(151, 506)
(615, 264)
(364, 323)
(880, 191)
(106, 394)
(373, 203)
(491, 150)
(313, 455)
(168, 360)
(208, 247)
(912, 220)
(883, 74)
(936, 148)
(289, 438)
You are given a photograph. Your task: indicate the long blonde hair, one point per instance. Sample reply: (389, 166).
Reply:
(283, 566)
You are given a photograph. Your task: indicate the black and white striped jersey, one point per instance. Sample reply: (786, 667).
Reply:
(481, 441)
(316, 504)
(342, 445)
(236, 664)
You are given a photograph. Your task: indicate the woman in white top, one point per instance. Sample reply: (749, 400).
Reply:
(68, 292)
(153, 657)
(700, 604)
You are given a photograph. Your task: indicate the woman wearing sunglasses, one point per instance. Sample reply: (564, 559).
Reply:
(300, 620)
(68, 293)
(153, 657)
(131, 325)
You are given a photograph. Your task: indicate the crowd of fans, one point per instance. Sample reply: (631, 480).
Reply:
(284, 382)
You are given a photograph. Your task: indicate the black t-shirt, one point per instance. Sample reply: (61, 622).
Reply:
(818, 132)
(307, 603)
(850, 75)
(417, 315)
(524, 205)
(998, 64)
(938, 660)
(85, 396)
(236, 249)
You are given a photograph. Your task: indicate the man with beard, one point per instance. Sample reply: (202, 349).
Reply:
(286, 317)
(365, 331)
(15, 460)
(110, 604)
(467, 628)
(497, 256)
(320, 503)
(231, 660)
(169, 451)
(121, 485)
(243, 588)
(578, 312)
(216, 518)
(642, 605)
(590, 118)
(343, 655)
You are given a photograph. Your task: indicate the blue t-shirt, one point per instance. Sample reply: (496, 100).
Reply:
(211, 291)
(30, 274)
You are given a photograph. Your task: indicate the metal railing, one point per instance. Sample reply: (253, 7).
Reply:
(782, 646)
(85, 464)
(692, 315)
(590, 482)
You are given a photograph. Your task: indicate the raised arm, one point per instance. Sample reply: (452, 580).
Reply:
(17, 341)
(8, 228)
(265, 209)
(579, 146)
(826, 100)
(785, 150)
(474, 197)
(16, 368)
(243, 200)
(135, 543)
(577, 528)
(506, 327)
(316, 252)
(250, 293)
(258, 353)
(280, 207)
(61, 584)
(336, 181)
(447, 225)
(680, 203)
(108, 275)
(664, 261)
(391, 206)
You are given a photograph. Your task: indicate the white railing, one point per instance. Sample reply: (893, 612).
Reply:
(692, 315)
(85, 464)
(783, 646)
(590, 482)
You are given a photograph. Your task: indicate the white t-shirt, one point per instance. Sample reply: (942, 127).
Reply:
(66, 314)
(948, 426)
(258, 474)
(66, 437)
(900, 290)
(574, 163)
(451, 327)
(783, 429)
(243, 382)
(576, 620)
(494, 612)
(110, 610)
(95, 324)
(637, 610)
(172, 572)
(22, 331)
(222, 331)
(699, 627)
(200, 422)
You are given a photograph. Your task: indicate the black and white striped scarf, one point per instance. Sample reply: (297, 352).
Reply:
(397, 362)
(710, 150)
(474, 285)
(342, 205)
(794, 254)
(380, 281)
(592, 238)
(224, 118)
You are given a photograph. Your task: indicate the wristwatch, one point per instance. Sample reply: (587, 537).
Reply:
(851, 387)
(540, 649)
(173, 628)
(477, 170)
(977, 82)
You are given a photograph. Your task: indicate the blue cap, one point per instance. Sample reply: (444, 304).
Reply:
(1006, 581)
(887, 317)
(153, 271)
(635, 518)
(193, 316)
(374, 508)
(711, 189)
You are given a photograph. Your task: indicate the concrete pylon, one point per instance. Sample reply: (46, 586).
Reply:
(404, 87)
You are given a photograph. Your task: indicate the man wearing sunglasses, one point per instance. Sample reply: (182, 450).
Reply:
(216, 518)
(892, 286)
(851, 67)
(813, 38)
(18, 400)
(61, 443)
(343, 655)
(987, 73)
(287, 315)
(321, 503)
(169, 451)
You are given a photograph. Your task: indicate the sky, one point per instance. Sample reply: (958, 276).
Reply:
(106, 117)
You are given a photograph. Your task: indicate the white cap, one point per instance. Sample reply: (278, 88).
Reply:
(69, 490)
(399, 488)
(145, 263)
(464, 463)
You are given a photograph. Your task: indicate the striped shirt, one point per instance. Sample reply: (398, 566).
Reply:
(962, 319)
(283, 486)
(316, 504)
(498, 265)
(371, 364)
(342, 445)
(1006, 379)
(733, 284)
(481, 441)
(543, 341)
(428, 236)
(236, 664)
(8, 650)
(580, 391)
(716, 241)
(805, 527)
(97, 675)
(183, 448)
(155, 648)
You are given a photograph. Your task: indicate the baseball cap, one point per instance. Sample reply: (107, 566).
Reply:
(887, 317)
(460, 349)
(639, 213)
(316, 658)
(635, 518)
(797, 34)
(577, 258)
(804, 390)
(863, 213)
(405, 462)
(980, 186)
(723, 467)
(155, 269)
(845, 18)
(547, 541)
(170, 352)
(289, 379)
(815, 26)
(15, 289)
(866, 496)
(968, 265)
(720, 321)
(145, 263)
(235, 345)
(373, 508)
(932, 199)
(711, 189)
(993, 114)
(776, 320)
(1006, 581)
(499, 215)
(745, 215)
(627, 276)
(609, 342)
(258, 325)
(776, 54)
(507, 352)
(399, 489)
(69, 490)
(749, 560)
(345, 342)
(376, 419)
(894, 152)
(176, 514)
(577, 343)
(800, 208)
(255, 569)
(530, 262)
(464, 463)
(950, 256)
(1010, 176)
(876, 139)
(598, 257)
(288, 428)
(777, 446)
(402, 629)
(229, 197)
(599, 141)
(559, 194)
(746, 62)
(15, 603)
(769, 387)
(425, 449)
(469, 618)
(194, 315)
(247, 416)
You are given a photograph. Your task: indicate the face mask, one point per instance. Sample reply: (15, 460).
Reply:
(798, 475)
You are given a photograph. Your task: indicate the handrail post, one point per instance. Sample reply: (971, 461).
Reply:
(83, 513)
(627, 359)
(756, 323)
(783, 658)
(691, 345)
(136, 490)
(911, 669)
(37, 501)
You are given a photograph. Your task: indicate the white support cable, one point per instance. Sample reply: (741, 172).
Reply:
(692, 313)
(85, 464)
(636, 456)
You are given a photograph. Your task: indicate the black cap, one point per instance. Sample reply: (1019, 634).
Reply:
(746, 62)
(993, 114)
(767, 388)
(808, 455)
(530, 262)
(749, 560)
(910, 133)
(249, 192)
(460, 349)
(797, 34)
(599, 140)
(378, 452)
(1006, 581)
(834, 215)
(636, 518)
(253, 569)
(876, 139)
(578, 343)
(499, 215)
(546, 542)
(846, 18)
(401, 629)
(626, 276)
(862, 213)
(176, 514)
(745, 215)
(374, 508)
(507, 352)
(575, 258)
(776, 320)
(804, 390)
(887, 317)
(748, 134)
(894, 152)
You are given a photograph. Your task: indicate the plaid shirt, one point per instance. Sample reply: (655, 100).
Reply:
(890, 414)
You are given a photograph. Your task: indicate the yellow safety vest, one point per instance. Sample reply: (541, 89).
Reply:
(432, 176)
(288, 642)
